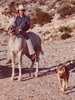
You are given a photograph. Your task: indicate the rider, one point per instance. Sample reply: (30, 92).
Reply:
(22, 25)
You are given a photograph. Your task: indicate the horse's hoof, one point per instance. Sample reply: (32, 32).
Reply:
(12, 78)
(36, 75)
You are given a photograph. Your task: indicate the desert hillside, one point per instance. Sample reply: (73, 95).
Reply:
(54, 22)
(49, 18)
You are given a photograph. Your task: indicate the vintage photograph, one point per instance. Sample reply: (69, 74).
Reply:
(37, 49)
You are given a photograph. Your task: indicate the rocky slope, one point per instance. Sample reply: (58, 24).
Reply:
(48, 31)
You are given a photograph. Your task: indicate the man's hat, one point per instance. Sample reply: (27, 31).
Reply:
(21, 7)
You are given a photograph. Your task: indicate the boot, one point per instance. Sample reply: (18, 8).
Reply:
(9, 61)
(31, 49)
(33, 56)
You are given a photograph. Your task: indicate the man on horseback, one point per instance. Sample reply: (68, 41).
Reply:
(22, 25)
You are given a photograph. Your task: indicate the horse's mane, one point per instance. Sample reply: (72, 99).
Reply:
(11, 22)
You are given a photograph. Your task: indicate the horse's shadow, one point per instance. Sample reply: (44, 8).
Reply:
(6, 71)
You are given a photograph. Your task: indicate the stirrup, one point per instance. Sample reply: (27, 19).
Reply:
(9, 61)
(33, 56)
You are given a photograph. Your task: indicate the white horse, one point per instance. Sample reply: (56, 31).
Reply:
(17, 46)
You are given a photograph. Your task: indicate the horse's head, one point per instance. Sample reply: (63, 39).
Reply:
(11, 25)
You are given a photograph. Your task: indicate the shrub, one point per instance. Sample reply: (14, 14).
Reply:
(65, 10)
(73, 2)
(10, 10)
(42, 2)
(12, 4)
(41, 18)
(34, 1)
(65, 36)
(7, 11)
(33, 22)
(65, 29)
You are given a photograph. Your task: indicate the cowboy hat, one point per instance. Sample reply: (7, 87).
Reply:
(21, 7)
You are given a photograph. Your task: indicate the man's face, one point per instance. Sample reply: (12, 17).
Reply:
(21, 12)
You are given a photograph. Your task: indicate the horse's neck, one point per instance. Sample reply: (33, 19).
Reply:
(17, 35)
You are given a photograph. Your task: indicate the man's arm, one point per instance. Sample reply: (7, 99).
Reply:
(27, 24)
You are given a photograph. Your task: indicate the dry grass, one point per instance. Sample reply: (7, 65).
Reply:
(65, 10)
(65, 29)
(65, 36)
(41, 18)
(10, 10)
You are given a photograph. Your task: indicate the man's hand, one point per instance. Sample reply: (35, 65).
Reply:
(20, 30)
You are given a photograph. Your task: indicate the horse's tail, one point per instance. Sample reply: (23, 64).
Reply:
(41, 51)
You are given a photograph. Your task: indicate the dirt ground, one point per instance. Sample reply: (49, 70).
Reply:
(46, 86)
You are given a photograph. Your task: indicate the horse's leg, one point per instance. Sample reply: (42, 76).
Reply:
(13, 66)
(37, 64)
(20, 64)
(31, 68)
(36, 72)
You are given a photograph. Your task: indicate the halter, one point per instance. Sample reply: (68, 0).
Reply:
(11, 29)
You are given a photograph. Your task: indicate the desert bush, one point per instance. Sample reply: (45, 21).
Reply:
(65, 35)
(7, 11)
(73, 2)
(33, 22)
(65, 29)
(41, 2)
(65, 9)
(10, 9)
(34, 1)
(12, 4)
(41, 18)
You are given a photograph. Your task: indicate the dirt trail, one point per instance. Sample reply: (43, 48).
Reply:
(46, 86)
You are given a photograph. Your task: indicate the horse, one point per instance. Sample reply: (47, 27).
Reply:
(17, 47)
